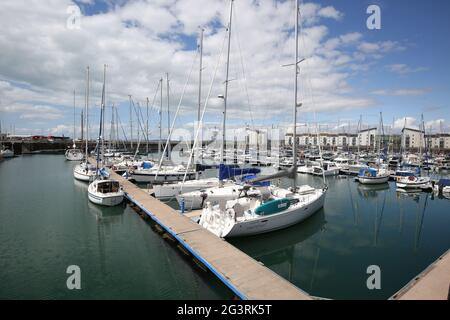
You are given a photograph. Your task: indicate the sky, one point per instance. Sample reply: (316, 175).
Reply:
(400, 70)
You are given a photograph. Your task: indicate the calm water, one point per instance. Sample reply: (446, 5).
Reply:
(47, 223)
(328, 255)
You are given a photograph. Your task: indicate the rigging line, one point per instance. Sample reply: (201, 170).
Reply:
(204, 110)
(175, 116)
(237, 39)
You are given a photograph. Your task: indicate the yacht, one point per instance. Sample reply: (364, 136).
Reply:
(6, 153)
(328, 168)
(373, 176)
(272, 208)
(74, 155)
(105, 192)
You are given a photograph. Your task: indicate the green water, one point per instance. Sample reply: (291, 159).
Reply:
(47, 224)
(328, 255)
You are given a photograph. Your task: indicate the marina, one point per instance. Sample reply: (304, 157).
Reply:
(358, 225)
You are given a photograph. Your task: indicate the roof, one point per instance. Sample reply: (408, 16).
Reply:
(370, 129)
(411, 129)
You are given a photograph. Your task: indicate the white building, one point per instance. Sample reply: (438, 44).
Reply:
(413, 139)
(367, 137)
(438, 141)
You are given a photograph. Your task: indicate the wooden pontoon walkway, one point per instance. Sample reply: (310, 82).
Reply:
(246, 277)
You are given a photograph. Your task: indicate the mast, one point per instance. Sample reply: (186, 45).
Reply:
(74, 129)
(100, 135)
(86, 105)
(146, 127)
(160, 119)
(222, 155)
(200, 87)
(168, 116)
(131, 124)
(294, 148)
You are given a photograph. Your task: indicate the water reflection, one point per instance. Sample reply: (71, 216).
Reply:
(280, 247)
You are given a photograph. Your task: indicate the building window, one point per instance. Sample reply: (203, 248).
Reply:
(324, 141)
(315, 141)
(354, 141)
(307, 141)
(407, 141)
(441, 143)
(344, 141)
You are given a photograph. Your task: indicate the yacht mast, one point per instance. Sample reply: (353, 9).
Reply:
(168, 116)
(222, 152)
(146, 127)
(294, 148)
(160, 118)
(74, 129)
(200, 90)
(86, 113)
(131, 124)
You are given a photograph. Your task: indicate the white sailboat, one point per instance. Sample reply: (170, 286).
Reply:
(74, 154)
(327, 168)
(6, 153)
(375, 175)
(279, 208)
(85, 171)
(414, 182)
(104, 191)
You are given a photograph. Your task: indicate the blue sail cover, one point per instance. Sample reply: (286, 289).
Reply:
(103, 173)
(257, 184)
(368, 172)
(444, 183)
(227, 172)
(147, 165)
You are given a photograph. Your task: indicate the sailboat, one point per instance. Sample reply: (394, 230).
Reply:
(104, 191)
(163, 173)
(273, 210)
(74, 154)
(414, 182)
(375, 175)
(85, 171)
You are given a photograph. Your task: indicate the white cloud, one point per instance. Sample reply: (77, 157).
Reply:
(403, 69)
(43, 61)
(408, 92)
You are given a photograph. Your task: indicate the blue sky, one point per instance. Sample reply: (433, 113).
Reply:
(400, 70)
